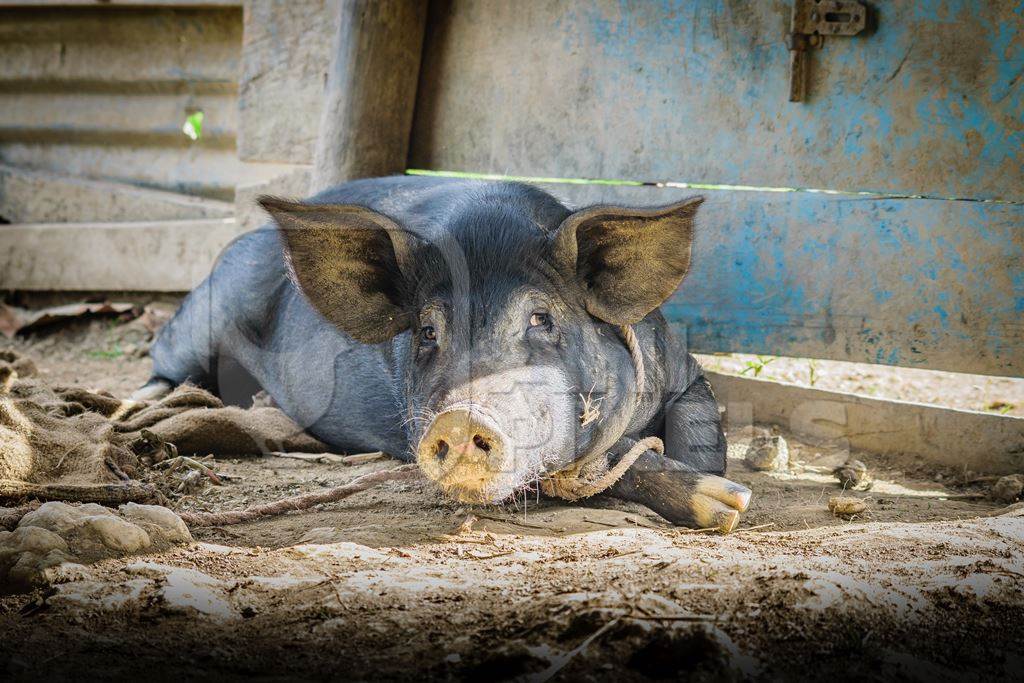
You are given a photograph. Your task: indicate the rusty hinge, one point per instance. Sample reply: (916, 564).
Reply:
(812, 21)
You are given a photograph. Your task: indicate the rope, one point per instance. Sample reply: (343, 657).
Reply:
(591, 475)
(629, 336)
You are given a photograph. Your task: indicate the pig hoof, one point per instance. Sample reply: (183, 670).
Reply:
(729, 492)
(152, 390)
(718, 502)
(698, 501)
(709, 513)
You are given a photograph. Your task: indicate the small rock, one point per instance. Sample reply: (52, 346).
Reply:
(466, 527)
(854, 475)
(1008, 489)
(57, 533)
(846, 506)
(767, 453)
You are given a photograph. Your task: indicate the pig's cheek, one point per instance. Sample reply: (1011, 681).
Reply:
(534, 428)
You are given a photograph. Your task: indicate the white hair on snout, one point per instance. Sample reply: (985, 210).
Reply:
(420, 419)
(534, 410)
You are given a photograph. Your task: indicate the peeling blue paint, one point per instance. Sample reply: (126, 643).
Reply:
(932, 284)
(671, 90)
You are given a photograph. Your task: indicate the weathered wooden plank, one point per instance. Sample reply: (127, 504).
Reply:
(169, 256)
(103, 94)
(984, 443)
(914, 282)
(285, 52)
(120, 3)
(920, 283)
(73, 116)
(38, 197)
(929, 103)
(119, 46)
(371, 90)
(200, 169)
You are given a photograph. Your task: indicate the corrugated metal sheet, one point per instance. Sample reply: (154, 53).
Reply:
(103, 93)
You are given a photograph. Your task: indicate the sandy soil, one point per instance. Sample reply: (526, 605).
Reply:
(395, 583)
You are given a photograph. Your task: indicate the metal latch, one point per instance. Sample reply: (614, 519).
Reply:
(812, 21)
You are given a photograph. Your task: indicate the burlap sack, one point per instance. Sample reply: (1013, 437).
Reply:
(68, 436)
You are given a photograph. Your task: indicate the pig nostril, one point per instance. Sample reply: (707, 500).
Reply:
(481, 443)
(442, 449)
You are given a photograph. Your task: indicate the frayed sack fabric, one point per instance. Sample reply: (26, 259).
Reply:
(68, 443)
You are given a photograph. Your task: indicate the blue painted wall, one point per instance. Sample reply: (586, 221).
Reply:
(929, 102)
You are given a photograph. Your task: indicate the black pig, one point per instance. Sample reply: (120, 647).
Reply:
(465, 325)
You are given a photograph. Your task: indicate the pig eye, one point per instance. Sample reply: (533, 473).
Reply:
(540, 319)
(427, 334)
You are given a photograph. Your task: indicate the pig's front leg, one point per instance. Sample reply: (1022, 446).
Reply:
(693, 429)
(680, 494)
(684, 485)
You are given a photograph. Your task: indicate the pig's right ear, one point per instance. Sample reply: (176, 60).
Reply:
(348, 261)
(628, 261)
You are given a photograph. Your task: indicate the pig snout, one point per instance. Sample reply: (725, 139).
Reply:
(497, 433)
(467, 454)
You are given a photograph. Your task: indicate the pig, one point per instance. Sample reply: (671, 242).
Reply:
(473, 327)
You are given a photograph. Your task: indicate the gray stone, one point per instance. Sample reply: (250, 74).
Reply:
(1009, 488)
(58, 533)
(767, 453)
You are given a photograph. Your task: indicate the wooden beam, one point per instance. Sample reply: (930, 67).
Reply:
(131, 50)
(37, 197)
(984, 443)
(169, 256)
(371, 90)
(286, 49)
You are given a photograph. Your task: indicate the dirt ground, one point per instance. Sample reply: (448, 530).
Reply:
(395, 583)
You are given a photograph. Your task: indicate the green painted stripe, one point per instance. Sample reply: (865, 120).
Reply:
(469, 175)
(521, 179)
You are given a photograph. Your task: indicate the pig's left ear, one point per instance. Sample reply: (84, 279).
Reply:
(350, 262)
(628, 261)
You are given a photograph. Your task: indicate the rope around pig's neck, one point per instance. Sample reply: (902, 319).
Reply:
(591, 474)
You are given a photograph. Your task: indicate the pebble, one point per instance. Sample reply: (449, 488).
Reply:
(1008, 489)
(846, 506)
(767, 453)
(853, 474)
